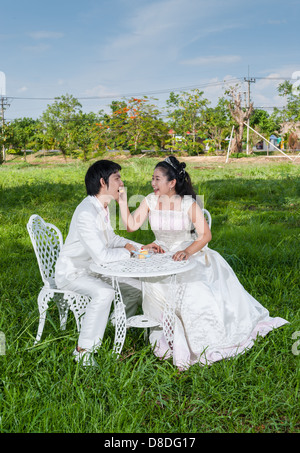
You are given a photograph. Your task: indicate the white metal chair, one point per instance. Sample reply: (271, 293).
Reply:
(142, 321)
(47, 242)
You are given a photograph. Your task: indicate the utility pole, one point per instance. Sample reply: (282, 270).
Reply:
(248, 80)
(3, 105)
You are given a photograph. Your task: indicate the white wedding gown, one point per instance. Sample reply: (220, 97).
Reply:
(217, 318)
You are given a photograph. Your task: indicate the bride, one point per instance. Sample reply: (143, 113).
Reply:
(217, 318)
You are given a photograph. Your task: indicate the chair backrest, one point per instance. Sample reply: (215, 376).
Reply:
(207, 217)
(47, 242)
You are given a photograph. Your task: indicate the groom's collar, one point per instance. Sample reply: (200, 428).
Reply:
(98, 205)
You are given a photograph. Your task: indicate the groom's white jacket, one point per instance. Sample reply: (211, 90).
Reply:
(91, 239)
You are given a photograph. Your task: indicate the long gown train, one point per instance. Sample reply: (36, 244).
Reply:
(217, 317)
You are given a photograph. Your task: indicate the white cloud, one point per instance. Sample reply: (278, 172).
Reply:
(212, 59)
(46, 35)
(276, 21)
(264, 92)
(39, 48)
(215, 88)
(101, 91)
(152, 31)
(152, 39)
(22, 89)
(212, 29)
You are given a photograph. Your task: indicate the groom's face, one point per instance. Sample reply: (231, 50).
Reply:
(114, 184)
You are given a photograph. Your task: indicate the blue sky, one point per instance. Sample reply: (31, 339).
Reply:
(101, 50)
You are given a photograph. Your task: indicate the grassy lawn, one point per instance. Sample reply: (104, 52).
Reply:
(255, 212)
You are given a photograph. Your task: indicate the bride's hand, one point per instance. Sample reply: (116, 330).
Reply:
(156, 248)
(181, 255)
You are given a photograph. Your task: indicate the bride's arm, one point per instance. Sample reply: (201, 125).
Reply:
(203, 232)
(135, 220)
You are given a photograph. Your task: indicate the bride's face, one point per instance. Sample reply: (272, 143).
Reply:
(161, 185)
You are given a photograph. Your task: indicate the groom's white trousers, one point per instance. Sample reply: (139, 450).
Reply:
(102, 294)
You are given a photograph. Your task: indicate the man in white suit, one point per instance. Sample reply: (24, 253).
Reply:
(91, 239)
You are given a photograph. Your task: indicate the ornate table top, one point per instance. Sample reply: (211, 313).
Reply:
(159, 264)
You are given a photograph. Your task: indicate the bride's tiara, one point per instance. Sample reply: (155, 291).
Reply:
(168, 161)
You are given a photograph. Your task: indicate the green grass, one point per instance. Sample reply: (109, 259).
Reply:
(255, 211)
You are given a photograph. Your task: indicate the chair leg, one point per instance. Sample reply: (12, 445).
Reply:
(120, 318)
(76, 302)
(63, 309)
(43, 299)
(78, 306)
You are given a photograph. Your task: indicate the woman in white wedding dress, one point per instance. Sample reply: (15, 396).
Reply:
(217, 318)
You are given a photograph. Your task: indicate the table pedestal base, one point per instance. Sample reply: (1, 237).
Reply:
(120, 318)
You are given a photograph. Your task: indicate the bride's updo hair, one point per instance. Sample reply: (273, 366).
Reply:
(173, 169)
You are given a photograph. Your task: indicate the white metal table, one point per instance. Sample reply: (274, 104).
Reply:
(158, 265)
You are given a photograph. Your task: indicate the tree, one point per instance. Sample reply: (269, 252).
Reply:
(59, 120)
(293, 141)
(291, 112)
(84, 134)
(21, 134)
(289, 116)
(5, 137)
(240, 115)
(187, 114)
(264, 122)
(116, 125)
(144, 127)
(133, 124)
(218, 122)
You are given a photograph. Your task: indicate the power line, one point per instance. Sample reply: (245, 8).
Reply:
(162, 91)
(167, 90)
(274, 78)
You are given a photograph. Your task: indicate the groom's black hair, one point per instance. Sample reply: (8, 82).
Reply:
(100, 169)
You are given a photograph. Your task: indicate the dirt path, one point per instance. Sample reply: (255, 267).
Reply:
(41, 158)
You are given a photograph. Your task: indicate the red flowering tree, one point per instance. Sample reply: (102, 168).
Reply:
(145, 128)
(133, 125)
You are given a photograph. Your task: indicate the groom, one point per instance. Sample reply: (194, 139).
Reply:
(91, 239)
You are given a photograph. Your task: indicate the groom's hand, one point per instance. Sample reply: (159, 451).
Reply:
(131, 248)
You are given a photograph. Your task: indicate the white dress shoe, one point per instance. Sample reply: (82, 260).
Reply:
(85, 358)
